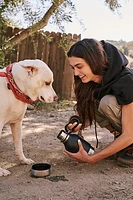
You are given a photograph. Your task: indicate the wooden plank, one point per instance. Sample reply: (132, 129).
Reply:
(45, 46)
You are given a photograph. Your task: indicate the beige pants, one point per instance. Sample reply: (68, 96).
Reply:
(108, 112)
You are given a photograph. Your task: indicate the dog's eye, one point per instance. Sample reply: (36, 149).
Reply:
(47, 83)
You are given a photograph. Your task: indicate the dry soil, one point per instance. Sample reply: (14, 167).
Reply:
(68, 179)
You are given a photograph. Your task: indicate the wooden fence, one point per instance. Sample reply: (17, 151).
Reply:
(47, 47)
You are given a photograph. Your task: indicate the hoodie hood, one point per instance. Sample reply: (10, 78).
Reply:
(117, 62)
(112, 78)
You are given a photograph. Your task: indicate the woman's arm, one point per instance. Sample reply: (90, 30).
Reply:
(124, 140)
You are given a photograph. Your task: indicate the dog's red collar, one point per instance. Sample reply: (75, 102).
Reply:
(12, 85)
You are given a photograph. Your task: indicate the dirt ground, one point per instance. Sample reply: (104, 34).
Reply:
(68, 179)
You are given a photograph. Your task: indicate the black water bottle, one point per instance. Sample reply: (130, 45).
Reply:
(70, 142)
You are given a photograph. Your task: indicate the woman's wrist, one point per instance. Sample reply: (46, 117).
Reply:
(91, 159)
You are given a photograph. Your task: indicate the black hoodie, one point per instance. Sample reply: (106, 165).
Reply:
(118, 79)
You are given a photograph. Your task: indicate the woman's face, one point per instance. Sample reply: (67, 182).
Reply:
(83, 70)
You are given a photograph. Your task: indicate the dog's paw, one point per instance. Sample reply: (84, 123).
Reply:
(27, 161)
(4, 172)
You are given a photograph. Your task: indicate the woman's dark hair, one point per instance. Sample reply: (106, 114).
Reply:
(93, 53)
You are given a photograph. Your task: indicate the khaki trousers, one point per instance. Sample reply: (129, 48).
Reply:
(108, 112)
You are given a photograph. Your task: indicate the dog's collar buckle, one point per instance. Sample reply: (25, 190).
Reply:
(8, 86)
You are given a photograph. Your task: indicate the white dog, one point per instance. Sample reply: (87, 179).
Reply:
(22, 83)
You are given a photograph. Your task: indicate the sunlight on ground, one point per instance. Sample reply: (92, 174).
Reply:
(7, 165)
(38, 130)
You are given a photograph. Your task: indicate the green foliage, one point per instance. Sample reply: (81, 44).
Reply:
(63, 104)
(4, 52)
(3, 27)
(33, 14)
(113, 4)
(14, 3)
(64, 43)
(60, 16)
(125, 47)
(30, 15)
(4, 6)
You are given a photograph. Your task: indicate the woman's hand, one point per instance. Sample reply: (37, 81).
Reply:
(81, 155)
(71, 127)
(74, 124)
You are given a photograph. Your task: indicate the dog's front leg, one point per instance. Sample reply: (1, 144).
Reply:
(17, 137)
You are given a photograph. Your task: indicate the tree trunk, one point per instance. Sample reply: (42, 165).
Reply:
(24, 33)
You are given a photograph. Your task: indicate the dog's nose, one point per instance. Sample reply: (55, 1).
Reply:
(42, 98)
(55, 98)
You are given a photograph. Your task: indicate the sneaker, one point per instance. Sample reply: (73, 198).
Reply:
(125, 159)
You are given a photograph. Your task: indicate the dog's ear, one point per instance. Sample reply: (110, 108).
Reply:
(32, 70)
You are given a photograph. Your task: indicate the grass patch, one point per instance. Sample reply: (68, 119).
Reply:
(63, 104)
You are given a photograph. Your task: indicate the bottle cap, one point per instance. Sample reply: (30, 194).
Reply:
(63, 136)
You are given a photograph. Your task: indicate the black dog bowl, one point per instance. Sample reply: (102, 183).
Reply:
(40, 169)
